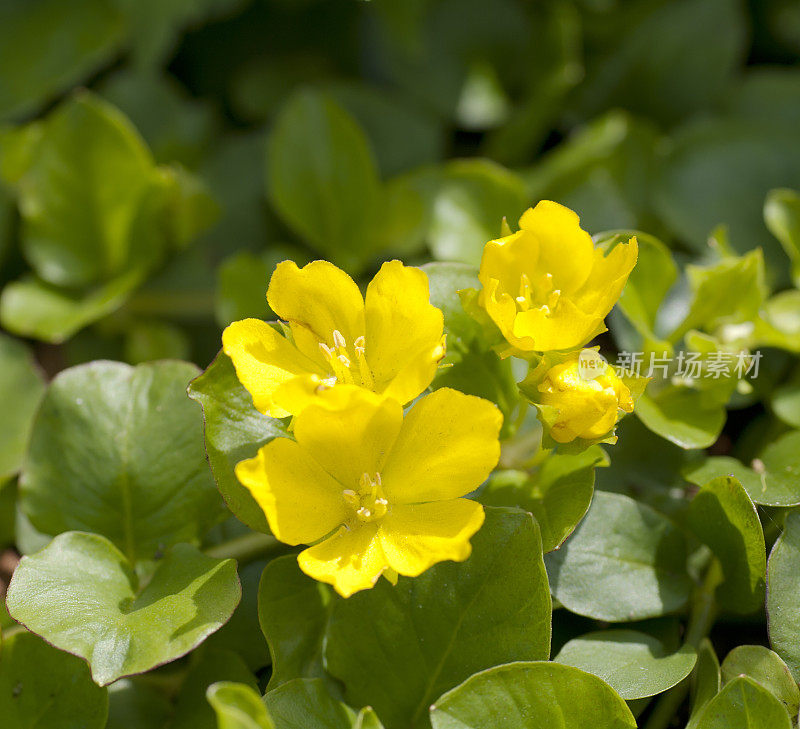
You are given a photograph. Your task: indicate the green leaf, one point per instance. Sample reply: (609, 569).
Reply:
(530, 695)
(732, 291)
(782, 216)
(32, 308)
(293, 612)
(43, 687)
(82, 596)
(783, 595)
(634, 664)
(234, 431)
(765, 667)
(558, 493)
(146, 341)
(744, 704)
(653, 276)
(118, 450)
(79, 198)
(304, 703)
(756, 485)
(238, 706)
(445, 625)
(470, 201)
(47, 46)
(781, 463)
(681, 415)
(322, 178)
(242, 281)
(706, 680)
(723, 517)
(192, 711)
(624, 562)
(21, 389)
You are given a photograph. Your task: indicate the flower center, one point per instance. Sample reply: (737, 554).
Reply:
(542, 295)
(347, 365)
(368, 502)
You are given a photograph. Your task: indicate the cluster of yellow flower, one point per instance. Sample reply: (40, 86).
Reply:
(379, 492)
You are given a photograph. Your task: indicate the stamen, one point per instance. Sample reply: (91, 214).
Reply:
(338, 340)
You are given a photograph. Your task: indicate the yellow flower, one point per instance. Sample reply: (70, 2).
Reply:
(390, 343)
(546, 286)
(584, 395)
(382, 492)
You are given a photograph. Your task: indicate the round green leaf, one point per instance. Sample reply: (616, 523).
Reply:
(238, 706)
(783, 596)
(304, 703)
(322, 178)
(234, 431)
(558, 493)
(765, 667)
(760, 489)
(531, 695)
(293, 611)
(118, 450)
(722, 516)
(744, 704)
(43, 688)
(682, 416)
(81, 595)
(443, 626)
(21, 389)
(781, 462)
(624, 562)
(634, 664)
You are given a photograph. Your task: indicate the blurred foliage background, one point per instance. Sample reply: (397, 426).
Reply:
(220, 136)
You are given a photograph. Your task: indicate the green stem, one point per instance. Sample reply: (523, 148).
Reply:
(246, 548)
(701, 619)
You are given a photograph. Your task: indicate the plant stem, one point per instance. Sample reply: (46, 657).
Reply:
(701, 619)
(246, 548)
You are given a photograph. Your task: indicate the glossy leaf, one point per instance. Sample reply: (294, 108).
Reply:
(117, 450)
(293, 612)
(238, 706)
(558, 493)
(21, 389)
(624, 562)
(783, 596)
(634, 664)
(445, 625)
(82, 596)
(722, 516)
(234, 431)
(765, 667)
(744, 704)
(682, 416)
(322, 178)
(303, 703)
(529, 695)
(43, 687)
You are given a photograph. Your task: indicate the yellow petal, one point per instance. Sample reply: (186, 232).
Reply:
(404, 331)
(503, 312)
(349, 431)
(264, 360)
(504, 260)
(301, 501)
(446, 448)
(566, 328)
(316, 300)
(415, 537)
(565, 250)
(348, 560)
(610, 273)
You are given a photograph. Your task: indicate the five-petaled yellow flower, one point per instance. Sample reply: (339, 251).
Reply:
(375, 492)
(389, 342)
(546, 286)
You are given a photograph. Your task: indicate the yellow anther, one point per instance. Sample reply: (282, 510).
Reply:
(553, 298)
(360, 345)
(338, 340)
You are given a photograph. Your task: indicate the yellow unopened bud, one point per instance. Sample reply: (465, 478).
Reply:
(587, 395)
